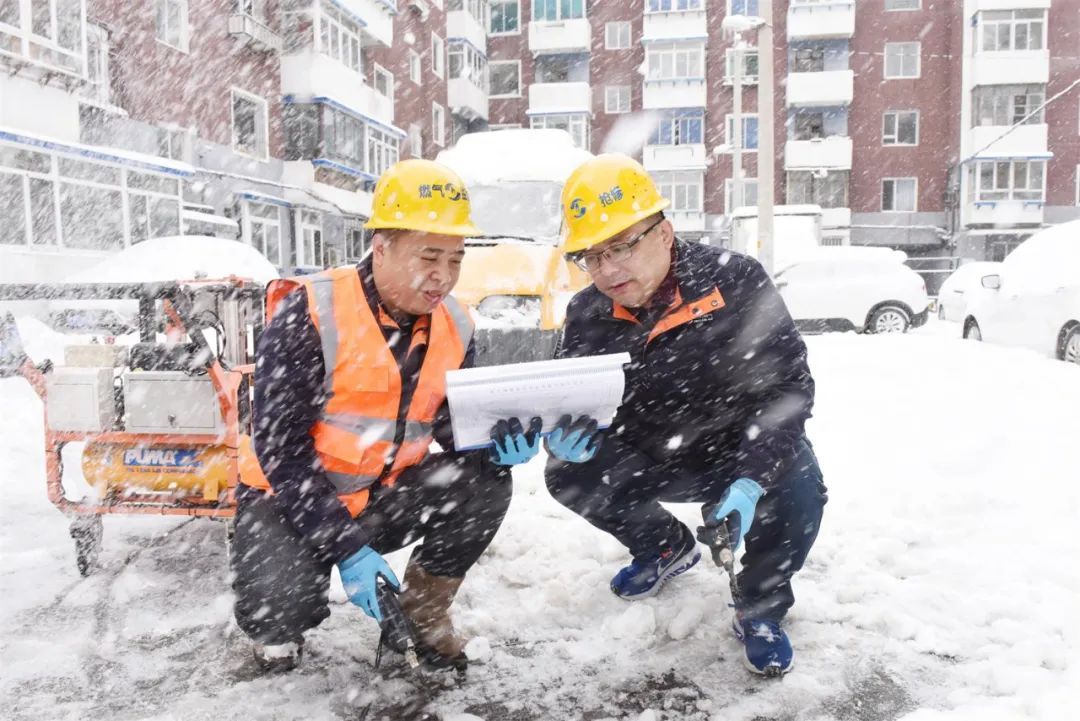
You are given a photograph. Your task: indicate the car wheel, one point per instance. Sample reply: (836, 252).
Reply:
(889, 319)
(1070, 349)
(972, 330)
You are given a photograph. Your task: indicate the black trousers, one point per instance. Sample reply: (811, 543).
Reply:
(455, 503)
(621, 489)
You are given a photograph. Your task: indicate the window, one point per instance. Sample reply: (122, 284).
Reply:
(898, 195)
(384, 81)
(1004, 30)
(255, 8)
(576, 124)
(808, 59)
(683, 189)
(311, 239)
(552, 10)
(900, 127)
(171, 22)
(829, 189)
(339, 37)
(1010, 180)
(617, 99)
(414, 66)
(743, 7)
(438, 124)
(902, 4)
(174, 143)
(808, 124)
(749, 131)
(97, 64)
(505, 17)
(561, 68)
(505, 78)
(468, 63)
(301, 131)
(749, 65)
(344, 138)
(263, 223)
(902, 60)
(476, 8)
(1007, 104)
(749, 194)
(416, 141)
(438, 50)
(670, 6)
(382, 150)
(617, 36)
(671, 61)
(249, 121)
(679, 127)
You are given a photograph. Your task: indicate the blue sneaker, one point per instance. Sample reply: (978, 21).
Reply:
(644, 576)
(768, 650)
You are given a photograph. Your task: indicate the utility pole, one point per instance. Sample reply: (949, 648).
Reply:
(766, 150)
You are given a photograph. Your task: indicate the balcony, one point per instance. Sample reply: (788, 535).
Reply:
(674, 157)
(561, 36)
(673, 26)
(460, 25)
(1023, 141)
(1005, 213)
(254, 32)
(688, 93)
(1011, 67)
(821, 19)
(832, 153)
(308, 74)
(831, 87)
(686, 221)
(466, 99)
(548, 98)
(376, 18)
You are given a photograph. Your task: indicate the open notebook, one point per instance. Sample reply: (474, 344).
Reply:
(480, 397)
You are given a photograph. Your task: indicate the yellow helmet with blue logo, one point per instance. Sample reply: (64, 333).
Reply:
(603, 197)
(422, 195)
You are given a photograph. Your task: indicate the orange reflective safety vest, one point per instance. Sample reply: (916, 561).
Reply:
(355, 436)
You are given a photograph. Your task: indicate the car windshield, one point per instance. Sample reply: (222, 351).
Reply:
(524, 209)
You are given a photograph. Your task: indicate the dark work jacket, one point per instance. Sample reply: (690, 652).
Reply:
(722, 385)
(289, 398)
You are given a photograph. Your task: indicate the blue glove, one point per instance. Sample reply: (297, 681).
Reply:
(574, 442)
(511, 444)
(359, 573)
(736, 508)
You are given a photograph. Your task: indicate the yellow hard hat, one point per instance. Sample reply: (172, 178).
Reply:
(421, 195)
(603, 197)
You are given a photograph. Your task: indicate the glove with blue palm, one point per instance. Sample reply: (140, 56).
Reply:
(574, 442)
(359, 575)
(511, 444)
(736, 508)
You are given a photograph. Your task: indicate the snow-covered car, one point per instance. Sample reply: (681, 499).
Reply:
(1033, 301)
(852, 288)
(960, 288)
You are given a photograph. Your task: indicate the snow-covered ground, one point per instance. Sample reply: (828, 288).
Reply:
(944, 584)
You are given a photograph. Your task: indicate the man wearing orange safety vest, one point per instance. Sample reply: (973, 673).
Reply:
(350, 391)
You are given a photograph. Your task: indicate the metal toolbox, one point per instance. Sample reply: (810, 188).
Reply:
(170, 402)
(80, 399)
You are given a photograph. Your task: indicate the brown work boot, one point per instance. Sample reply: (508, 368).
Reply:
(426, 600)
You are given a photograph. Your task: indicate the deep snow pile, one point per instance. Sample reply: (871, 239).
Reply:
(944, 584)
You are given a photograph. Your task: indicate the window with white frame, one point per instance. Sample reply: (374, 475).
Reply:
(312, 253)
(258, 9)
(807, 124)
(554, 10)
(97, 64)
(170, 22)
(674, 61)
(468, 63)
(339, 36)
(505, 78)
(683, 188)
(672, 6)
(902, 4)
(356, 239)
(617, 35)
(749, 194)
(416, 141)
(382, 150)
(438, 53)
(902, 60)
(47, 32)
(749, 64)
(344, 138)
(679, 127)
(898, 195)
(414, 66)
(616, 99)
(505, 17)
(808, 57)
(438, 124)
(383, 81)
(263, 224)
(828, 189)
(900, 127)
(744, 7)
(577, 124)
(476, 8)
(249, 124)
(1007, 104)
(1004, 30)
(749, 131)
(997, 180)
(174, 143)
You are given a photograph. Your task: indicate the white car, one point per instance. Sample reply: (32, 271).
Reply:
(961, 288)
(854, 288)
(1034, 299)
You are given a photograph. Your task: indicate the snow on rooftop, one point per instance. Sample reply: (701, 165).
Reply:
(184, 257)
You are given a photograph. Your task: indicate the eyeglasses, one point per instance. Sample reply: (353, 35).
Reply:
(618, 253)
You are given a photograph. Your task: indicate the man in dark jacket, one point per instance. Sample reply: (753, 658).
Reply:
(717, 394)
